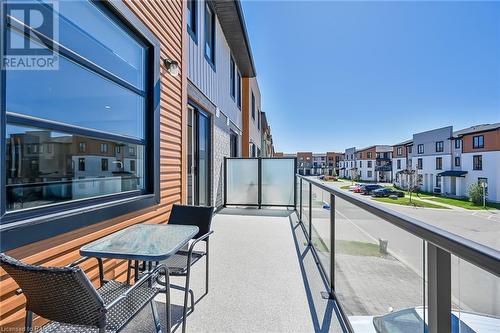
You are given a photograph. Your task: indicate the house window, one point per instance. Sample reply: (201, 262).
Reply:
(258, 120)
(458, 143)
(209, 34)
(477, 162)
(253, 106)
(410, 149)
(369, 173)
(438, 181)
(410, 162)
(131, 150)
(104, 164)
(132, 165)
(399, 151)
(478, 142)
(439, 163)
(238, 90)
(191, 18)
(360, 164)
(420, 149)
(457, 161)
(369, 164)
(360, 155)
(399, 164)
(81, 164)
(439, 146)
(420, 163)
(118, 149)
(101, 94)
(232, 78)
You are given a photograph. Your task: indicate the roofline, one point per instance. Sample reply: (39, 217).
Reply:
(475, 132)
(239, 10)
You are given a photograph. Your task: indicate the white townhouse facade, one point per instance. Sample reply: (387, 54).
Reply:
(476, 159)
(365, 163)
(401, 161)
(219, 57)
(431, 156)
(349, 165)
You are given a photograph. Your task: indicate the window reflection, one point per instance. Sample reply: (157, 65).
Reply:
(46, 167)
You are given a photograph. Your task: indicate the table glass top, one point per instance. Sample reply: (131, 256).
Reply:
(150, 242)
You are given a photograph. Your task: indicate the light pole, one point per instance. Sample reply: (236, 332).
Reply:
(484, 185)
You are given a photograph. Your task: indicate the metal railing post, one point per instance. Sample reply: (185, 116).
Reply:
(300, 200)
(439, 289)
(332, 245)
(259, 187)
(310, 214)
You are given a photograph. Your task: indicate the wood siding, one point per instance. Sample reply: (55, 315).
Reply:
(250, 131)
(213, 83)
(165, 19)
(491, 141)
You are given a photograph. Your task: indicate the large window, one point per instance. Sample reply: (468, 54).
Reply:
(399, 164)
(439, 146)
(420, 149)
(458, 143)
(477, 162)
(209, 34)
(457, 161)
(191, 14)
(399, 151)
(420, 163)
(90, 114)
(238, 90)
(478, 142)
(439, 163)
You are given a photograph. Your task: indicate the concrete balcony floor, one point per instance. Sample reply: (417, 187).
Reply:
(263, 278)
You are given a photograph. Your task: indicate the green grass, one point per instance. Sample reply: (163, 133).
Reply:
(345, 187)
(406, 202)
(464, 203)
(357, 248)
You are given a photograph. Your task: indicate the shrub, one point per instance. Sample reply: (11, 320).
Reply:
(476, 194)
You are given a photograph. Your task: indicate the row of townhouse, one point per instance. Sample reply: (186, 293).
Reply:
(372, 163)
(310, 164)
(448, 161)
(147, 100)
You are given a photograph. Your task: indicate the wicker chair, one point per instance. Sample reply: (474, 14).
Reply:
(66, 296)
(180, 263)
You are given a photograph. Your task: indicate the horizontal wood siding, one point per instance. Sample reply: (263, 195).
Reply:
(165, 20)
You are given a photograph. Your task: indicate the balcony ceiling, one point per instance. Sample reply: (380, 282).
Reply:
(231, 19)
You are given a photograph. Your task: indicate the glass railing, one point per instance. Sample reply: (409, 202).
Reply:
(391, 273)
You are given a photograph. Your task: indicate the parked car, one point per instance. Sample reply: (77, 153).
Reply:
(411, 321)
(385, 192)
(352, 187)
(359, 188)
(368, 189)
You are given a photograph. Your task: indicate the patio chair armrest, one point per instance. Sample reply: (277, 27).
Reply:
(99, 263)
(141, 281)
(197, 240)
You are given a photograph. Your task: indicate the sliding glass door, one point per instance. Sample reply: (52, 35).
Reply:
(199, 156)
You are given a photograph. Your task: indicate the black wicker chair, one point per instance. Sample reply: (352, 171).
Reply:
(66, 296)
(180, 263)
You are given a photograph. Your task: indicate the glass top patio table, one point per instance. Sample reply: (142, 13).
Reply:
(145, 242)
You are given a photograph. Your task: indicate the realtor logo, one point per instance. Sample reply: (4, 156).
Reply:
(31, 35)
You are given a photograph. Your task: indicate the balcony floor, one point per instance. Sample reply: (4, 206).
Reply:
(262, 279)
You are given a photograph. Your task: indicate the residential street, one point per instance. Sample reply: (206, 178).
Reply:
(473, 289)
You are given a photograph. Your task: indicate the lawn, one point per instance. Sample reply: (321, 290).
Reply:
(406, 202)
(345, 187)
(464, 203)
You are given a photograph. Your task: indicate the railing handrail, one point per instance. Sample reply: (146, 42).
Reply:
(477, 254)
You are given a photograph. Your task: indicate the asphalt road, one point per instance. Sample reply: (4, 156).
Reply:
(472, 288)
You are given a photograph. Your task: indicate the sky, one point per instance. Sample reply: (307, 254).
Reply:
(335, 75)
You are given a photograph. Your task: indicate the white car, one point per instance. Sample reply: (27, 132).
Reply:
(412, 320)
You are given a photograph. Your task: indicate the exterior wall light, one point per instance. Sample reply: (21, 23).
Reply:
(172, 66)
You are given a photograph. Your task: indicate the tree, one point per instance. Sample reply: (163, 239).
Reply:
(476, 193)
(414, 180)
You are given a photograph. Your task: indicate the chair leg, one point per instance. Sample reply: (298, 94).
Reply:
(186, 293)
(155, 316)
(28, 321)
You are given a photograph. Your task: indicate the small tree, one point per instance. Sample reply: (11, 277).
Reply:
(476, 194)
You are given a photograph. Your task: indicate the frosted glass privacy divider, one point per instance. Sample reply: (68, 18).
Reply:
(242, 181)
(278, 181)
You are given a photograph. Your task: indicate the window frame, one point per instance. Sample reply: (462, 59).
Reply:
(238, 89)
(479, 146)
(232, 77)
(439, 163)
(457, 158)
(420, 145)
(458, 143)
(211, 59)
(193, 31)
(439, 146)
(478, 167)
(420, 163)
(30, 225)
(252, 106)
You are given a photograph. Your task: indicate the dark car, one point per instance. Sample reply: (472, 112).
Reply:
(368, 189)
(385, 192)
